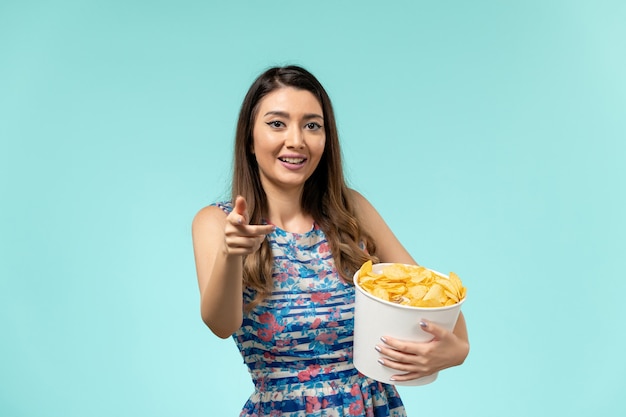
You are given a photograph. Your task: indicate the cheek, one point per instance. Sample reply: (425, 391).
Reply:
(322, 147)
(319, 144)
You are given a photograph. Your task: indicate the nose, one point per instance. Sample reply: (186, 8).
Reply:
(295, 139)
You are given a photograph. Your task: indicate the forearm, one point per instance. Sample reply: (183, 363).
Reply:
(460, 328)
(460, 331)
(222, 297)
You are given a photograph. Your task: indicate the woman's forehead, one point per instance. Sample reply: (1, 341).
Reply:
(290, 100)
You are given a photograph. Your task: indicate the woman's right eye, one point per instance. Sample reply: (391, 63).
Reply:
(275, 123)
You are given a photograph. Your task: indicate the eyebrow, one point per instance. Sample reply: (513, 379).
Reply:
(286, 115)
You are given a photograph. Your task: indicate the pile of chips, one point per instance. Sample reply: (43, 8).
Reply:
(411, 285)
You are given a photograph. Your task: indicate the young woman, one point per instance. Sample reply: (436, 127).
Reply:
(275, 263)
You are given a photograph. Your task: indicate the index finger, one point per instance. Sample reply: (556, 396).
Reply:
(249, 230)
(256, 229)
(241, 208)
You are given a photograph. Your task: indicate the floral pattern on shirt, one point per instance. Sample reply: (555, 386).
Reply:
(297, 343)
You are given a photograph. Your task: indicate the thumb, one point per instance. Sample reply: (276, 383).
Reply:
(241, 208)
(437, 331)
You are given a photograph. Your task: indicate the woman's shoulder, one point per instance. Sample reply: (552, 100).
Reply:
(358, 202)
(355, 195)
(225, 206)
(364, 211)
(213, 211)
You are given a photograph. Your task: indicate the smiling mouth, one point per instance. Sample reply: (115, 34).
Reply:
(296, 161)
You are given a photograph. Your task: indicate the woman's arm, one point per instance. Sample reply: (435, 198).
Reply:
(220, 241)
(414, 359)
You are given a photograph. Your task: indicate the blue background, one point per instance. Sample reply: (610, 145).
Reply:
(489, 134)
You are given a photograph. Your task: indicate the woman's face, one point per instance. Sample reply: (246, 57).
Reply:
(288, 138)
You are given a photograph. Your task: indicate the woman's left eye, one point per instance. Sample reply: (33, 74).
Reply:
(312, 126)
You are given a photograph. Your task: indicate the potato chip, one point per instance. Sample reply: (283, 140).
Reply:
(411, 285)
(366, 268)
(417, 292)
(381, 293)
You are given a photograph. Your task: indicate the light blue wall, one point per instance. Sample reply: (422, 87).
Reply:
(489, 134)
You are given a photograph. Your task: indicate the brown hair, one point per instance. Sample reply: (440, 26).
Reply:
(326, 196)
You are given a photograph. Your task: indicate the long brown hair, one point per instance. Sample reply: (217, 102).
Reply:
(326, 196)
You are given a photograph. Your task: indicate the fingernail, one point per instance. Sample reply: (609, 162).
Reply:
(392, 378)
(383, 339)
(423, 324)
(380, 361)
(378, 349)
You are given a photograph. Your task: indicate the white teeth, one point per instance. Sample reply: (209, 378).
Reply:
(293, 160)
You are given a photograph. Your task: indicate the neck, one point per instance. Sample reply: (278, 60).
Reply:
(285, 210)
